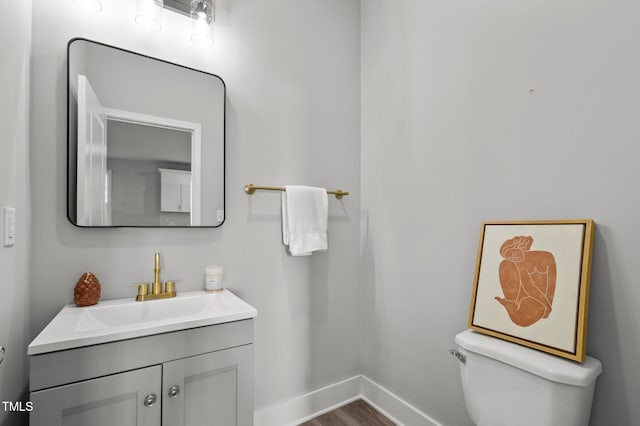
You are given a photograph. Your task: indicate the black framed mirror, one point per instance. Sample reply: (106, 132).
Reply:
(145, 140)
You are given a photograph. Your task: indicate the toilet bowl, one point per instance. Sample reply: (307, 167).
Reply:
(506, 384)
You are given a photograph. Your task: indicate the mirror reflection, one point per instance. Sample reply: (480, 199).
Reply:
(145, 140)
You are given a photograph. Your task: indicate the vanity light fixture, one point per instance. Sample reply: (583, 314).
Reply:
(201, 12)
(149, 14)
(91, 5)
(202, 16)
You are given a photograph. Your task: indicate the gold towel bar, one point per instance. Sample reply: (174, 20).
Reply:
(251, 188)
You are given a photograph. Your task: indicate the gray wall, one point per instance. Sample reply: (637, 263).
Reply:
(292, 117)
(15, 33)
(452, 136)
(140, 142)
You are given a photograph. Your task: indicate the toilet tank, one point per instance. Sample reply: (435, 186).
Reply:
(506, 384)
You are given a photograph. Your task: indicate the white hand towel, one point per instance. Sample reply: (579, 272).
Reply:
(304, 219)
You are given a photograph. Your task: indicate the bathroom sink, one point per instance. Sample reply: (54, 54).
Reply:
(113, 320)
(110, 315)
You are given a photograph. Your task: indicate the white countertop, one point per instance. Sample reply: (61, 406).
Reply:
(121, 319)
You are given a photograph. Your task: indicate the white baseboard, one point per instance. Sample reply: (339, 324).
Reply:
(299, 410)
(395, 408)
(305, 407)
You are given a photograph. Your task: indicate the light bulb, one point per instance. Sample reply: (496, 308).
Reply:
(202, 9)
(202, 12)
(201, 32)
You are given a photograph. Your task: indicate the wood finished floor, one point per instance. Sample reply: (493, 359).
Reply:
(353, 414)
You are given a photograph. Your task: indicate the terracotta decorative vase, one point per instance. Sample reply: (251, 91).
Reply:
(87, 290)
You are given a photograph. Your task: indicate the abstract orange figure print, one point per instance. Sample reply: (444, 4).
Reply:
(528, 281)
(531, 284)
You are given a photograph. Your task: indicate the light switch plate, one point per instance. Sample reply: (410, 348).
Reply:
(9, 226)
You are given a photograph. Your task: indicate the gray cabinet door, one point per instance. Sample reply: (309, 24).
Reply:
(112, 400)
(214, 389)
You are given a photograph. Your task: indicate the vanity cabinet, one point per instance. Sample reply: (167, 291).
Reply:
(106, 401)
(195, 377)
(207, 389)
(175, 190)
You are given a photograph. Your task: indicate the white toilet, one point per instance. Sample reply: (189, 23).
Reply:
(506, 384)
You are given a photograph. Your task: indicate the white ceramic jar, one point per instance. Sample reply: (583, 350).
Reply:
(213, 279)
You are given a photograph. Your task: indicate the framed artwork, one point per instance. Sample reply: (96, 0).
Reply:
(531, 284)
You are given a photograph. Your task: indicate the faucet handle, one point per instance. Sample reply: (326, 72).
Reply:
(143, 289)
(170, 285)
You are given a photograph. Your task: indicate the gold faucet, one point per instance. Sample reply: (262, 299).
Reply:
(156, 286)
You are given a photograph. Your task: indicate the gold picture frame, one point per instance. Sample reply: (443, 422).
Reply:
(531, 284)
